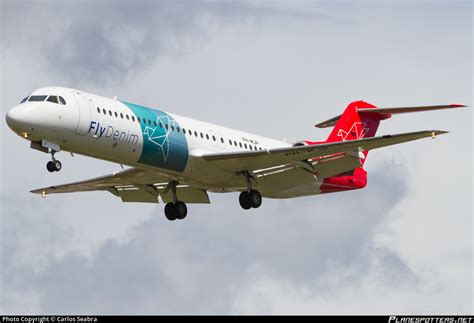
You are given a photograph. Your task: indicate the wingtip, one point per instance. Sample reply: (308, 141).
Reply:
(439, 132)
(457, 105)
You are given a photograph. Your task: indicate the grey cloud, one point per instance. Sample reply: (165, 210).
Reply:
(198, 265)
(100, 42)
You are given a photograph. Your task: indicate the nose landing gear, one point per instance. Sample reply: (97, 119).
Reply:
(54, 165)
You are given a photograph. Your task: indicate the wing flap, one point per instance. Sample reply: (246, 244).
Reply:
(333, 166)
(187, 194)
(137, 195)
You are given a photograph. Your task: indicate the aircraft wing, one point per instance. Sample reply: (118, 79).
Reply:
(257, 160)
(132, 185)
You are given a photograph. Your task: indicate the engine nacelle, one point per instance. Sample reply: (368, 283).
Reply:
(300, 143)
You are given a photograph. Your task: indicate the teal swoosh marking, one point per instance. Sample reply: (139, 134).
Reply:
(162, 147)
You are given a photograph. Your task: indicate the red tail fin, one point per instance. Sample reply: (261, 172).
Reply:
(352, 125)
(361, 120)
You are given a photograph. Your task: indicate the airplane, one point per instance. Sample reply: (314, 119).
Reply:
(181, 160)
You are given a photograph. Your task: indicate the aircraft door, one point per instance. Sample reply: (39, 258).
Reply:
(83, 123)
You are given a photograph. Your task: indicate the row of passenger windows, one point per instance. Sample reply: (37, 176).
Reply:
(177, 129)
(39, 98)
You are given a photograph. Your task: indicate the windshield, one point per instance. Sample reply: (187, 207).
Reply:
(53, 98)
(36, 98)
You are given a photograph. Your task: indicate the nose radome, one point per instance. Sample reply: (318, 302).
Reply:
(16, 118)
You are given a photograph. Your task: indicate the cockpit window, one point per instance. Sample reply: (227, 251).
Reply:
(62, 101)
(53, 98)
(37, 98)
(22, 101)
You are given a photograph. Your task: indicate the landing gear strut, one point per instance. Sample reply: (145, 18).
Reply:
(176, 209)
(250, 198)
(54, 165)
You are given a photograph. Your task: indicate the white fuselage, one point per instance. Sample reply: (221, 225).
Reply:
(137, 136)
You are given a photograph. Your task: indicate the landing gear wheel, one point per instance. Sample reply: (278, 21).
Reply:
(50, 167)
(170, 211)
(244, 200)
(57, 165)
(180, 210)
(255, 198)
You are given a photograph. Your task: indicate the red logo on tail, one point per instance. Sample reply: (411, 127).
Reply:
(358, 130)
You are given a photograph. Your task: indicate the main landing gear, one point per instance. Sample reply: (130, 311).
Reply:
(53, 165)
(176, 209)
(250, 198)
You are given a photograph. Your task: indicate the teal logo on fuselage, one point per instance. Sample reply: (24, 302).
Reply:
(163, 145)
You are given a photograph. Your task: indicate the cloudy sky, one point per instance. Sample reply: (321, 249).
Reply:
(402, 245)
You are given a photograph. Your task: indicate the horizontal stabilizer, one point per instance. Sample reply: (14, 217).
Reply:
(387, 112)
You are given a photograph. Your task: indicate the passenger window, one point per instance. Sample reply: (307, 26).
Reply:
(116, 114)
(214, 138)
(177, 129)
(154, 122)
(98, 110)
(133, 118)
(172, 128)
(207, 136)
(161, 125)
(250, 146)
(245, 145)
(166, 126)
(184, 130)
(222, 140)
(121, 115)
(62, 101)
(240, 144)
(127, 117)
(144, 121)
(22, 101)
(37, 98)
(53, 98)
(195, 133)
(103, 110)
(235, 143)
(149, 122)
(230, 142)
(110, 112)
(202, 135)
(138, 119)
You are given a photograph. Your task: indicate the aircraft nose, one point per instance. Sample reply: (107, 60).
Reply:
(16, 118)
